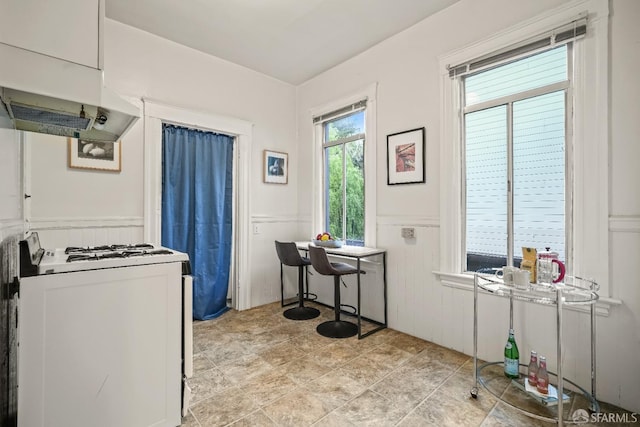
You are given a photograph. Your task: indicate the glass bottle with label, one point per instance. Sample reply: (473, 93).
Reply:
(511, 357)
(532, 372)
(543, 377)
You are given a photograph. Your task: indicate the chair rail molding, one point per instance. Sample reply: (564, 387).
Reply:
(624, 223)
(412, 220)
(69, 223)
(275, 218)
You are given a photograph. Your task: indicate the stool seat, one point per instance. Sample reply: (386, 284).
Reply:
(336, 328)
(289, 255)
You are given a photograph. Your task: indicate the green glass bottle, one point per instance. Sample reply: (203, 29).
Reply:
(511, 357)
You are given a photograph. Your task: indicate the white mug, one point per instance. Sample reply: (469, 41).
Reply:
(522, 278)
(506, 274)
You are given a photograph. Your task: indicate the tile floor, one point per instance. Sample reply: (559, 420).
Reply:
(257, 368)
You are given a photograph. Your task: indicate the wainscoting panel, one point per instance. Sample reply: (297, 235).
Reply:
(64, 232)
(415, 303)
(264, 264)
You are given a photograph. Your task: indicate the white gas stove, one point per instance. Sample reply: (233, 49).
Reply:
(37, 261)
(105, 335)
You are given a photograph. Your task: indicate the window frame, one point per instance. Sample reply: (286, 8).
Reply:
(318, 212)
(343, 144)
(590, 126)
(508, 101)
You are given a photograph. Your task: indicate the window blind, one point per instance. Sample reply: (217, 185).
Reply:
(572, 31)
(360, 105)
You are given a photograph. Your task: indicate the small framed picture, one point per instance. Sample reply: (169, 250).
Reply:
(276, 167)
(405, 157)
(102, 156)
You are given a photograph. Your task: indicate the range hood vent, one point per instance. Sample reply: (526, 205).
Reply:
(27, 113)
(39, 93)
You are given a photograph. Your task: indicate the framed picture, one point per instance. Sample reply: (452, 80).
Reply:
(405, 157)
(276, 167)
(102, 156)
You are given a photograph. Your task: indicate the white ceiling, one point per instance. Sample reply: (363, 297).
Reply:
(291, 40)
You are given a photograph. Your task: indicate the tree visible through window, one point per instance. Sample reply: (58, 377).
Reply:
(344, 177)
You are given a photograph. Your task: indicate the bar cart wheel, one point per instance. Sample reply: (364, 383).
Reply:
(474, 392)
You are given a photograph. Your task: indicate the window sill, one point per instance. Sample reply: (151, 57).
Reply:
(464, 282)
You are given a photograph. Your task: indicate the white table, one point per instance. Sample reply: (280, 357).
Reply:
(357, 253)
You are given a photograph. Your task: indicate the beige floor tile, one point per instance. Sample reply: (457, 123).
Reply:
(335, 354)
(365, 369)
(189, 421)
(206, 384)
(442, 410)
(298, 408)
(224, 353)
(244, 368)
(333, 420)
(254, 419)
(304, 369)
(371, 409)
(405, 387)
(223, 408)
(504, 416)
(408, 343)
(201, 363)
(282, 353)
(334, 388)
(258, 368)
(311, 342)
(459, 386)
(269, 386)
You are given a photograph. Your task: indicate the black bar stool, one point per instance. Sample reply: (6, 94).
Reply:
(289, 255)
(333, 328)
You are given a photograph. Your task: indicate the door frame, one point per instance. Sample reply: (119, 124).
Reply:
(155, 113)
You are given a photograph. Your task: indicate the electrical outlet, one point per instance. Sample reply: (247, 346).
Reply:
(408, 233)
(256, 229)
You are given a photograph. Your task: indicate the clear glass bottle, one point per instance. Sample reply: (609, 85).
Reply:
(542, 384)
(511, 357)
(532, 372)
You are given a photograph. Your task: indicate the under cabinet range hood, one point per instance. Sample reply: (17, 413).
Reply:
(40, 93)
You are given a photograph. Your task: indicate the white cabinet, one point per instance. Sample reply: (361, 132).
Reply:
(101, 348)
(65, 29)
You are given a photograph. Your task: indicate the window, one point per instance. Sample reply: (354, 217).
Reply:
(344, 168)
(587, 135)
(343, 147)
(515, 155)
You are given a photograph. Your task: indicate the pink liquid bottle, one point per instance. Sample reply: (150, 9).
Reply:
(532, 373)
(543, 377)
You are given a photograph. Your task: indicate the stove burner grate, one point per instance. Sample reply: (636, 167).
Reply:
(106, 248)
(122, 254)
(147, 253)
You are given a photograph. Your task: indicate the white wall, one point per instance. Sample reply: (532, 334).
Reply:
(406, 70)
(11, 194)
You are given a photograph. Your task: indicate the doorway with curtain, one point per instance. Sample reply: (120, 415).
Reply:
(197, 210)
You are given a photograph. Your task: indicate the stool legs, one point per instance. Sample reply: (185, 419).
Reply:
(337, 328)
(301, 312)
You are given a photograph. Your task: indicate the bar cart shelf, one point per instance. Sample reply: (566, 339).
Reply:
(573, 291)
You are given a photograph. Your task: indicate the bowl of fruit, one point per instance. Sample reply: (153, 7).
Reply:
(325, 239)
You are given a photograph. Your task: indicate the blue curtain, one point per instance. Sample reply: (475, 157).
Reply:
(197, 179)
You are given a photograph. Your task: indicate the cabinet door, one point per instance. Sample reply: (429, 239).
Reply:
(101, 348)
(65, 29)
